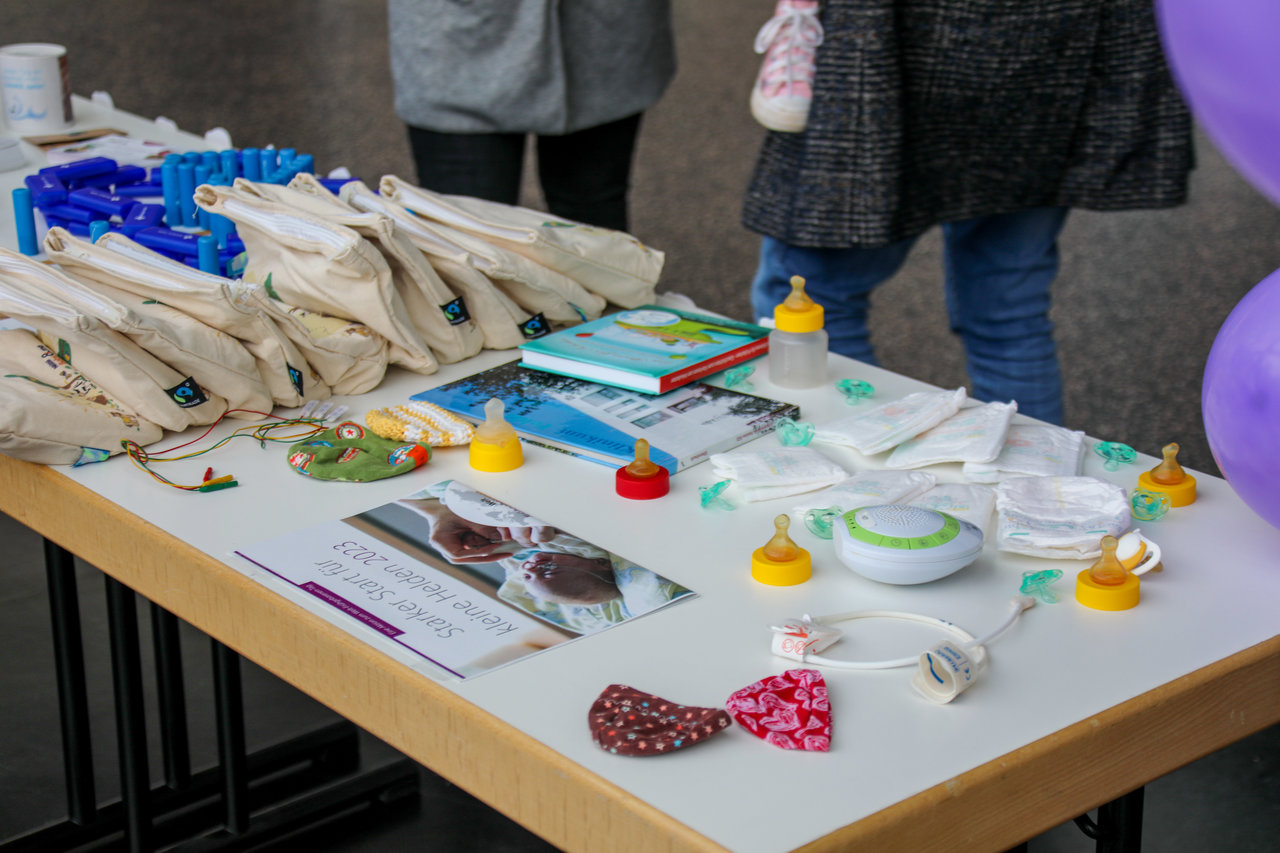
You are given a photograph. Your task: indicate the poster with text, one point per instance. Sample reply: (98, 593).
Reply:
(463, 580)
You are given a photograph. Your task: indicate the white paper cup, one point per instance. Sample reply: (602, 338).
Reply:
(946, 671)
(36, 87)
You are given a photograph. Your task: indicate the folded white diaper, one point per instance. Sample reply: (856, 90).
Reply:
(777, 472)
(889, 424)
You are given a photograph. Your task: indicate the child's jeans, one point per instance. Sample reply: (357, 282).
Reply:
(998, 272)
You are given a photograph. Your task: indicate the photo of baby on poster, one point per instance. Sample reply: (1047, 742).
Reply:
(463, 580)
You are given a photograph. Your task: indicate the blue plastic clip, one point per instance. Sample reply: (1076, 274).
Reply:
(46, 189)
(266, 162)
(24, 221)
(251, 164)
(81, 168)
(230, 165)
(97, 228)
(100, 201)
(186, 195)
(141, 216)
(221, 228)
(207, 255)
(69, 213)
(171, 192)
(166, 241)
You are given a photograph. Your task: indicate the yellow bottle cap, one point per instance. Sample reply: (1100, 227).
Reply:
(1180, 494)
(496, 457)
(1121, 596)
(495, 447)
(781, 562)
(1169, 477)
(798, 313)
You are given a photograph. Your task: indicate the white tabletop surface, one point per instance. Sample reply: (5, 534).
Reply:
(1059, 665)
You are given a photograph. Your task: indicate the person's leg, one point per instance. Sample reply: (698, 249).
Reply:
(482, 165)
(998, 270)
(840, 280)
(585, 174)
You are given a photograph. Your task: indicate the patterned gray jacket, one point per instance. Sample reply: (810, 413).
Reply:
(928, 111)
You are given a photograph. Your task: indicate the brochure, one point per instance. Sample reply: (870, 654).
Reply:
(462, 580)
(602, 422)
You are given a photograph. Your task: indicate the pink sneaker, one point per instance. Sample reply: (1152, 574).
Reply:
(784, 87)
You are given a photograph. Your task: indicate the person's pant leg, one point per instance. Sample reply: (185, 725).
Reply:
(585, 174)
(998, 273)
(481, 165)
(840, 280)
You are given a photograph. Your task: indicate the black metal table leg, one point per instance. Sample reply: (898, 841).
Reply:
(286, 789)
(229, 702)
(131, 732)
(1119, 825)
(174, 738)
(73, 702)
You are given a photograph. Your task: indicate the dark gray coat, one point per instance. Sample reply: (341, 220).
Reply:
(927, 111)
(527, 66)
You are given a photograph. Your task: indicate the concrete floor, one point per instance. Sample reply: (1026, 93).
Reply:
(1140, 298)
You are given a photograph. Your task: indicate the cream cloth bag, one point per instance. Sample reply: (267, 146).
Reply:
(52, 414)
(319, 266)
(433, 308)
(118, 262)
(135, 377)
(217, 361)
(504, 323)
(534, 286)
(349, 356)
(613, 264)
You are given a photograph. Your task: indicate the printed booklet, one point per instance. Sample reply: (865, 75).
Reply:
(602, 422)
(647, 349)
(447, 573)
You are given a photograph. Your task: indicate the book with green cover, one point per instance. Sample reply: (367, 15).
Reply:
(647, 349)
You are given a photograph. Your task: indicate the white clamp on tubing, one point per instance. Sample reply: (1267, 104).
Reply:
(945, 670)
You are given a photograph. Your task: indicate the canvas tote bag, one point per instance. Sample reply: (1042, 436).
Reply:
(503, 322)
(319, 266)
(220, 303)
(52, 414)
(135, 377)
(217, 361)
(433, 308)
(539, 288)
(611, 263)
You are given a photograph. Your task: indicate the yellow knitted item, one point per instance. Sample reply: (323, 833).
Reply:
(422, 422)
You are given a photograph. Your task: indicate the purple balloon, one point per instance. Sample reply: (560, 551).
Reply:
(1225, 56)
(1240, 399)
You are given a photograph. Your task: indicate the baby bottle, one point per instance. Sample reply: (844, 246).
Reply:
(798, 343)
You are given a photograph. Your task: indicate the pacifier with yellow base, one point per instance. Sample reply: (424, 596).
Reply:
(1108, 584)
(1169, 478)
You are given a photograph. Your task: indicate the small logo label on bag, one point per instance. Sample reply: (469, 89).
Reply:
(187, 394)
(535, 327)
(456, 312)
(295, 376)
